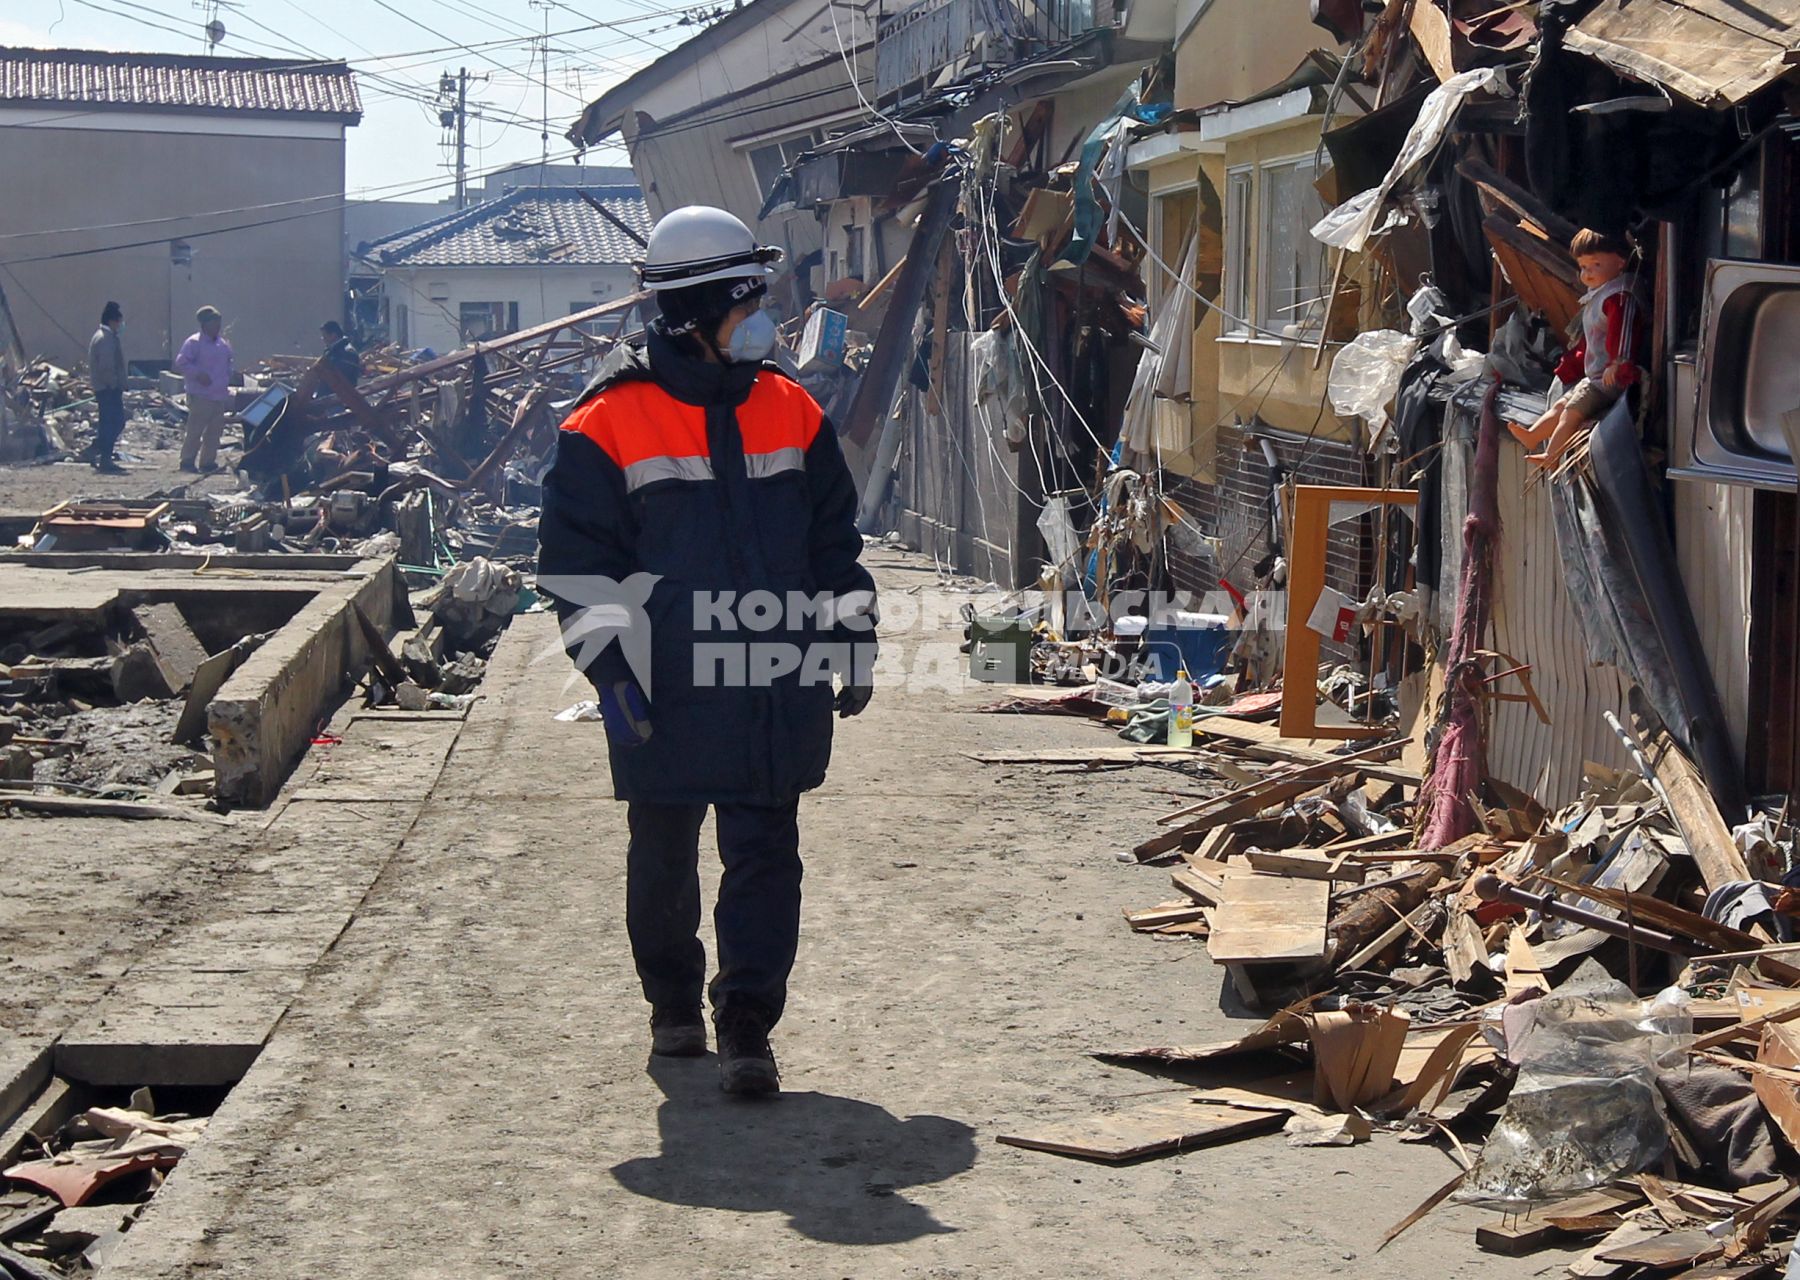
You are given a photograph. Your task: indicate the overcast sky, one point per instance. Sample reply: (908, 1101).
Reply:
(398, 150)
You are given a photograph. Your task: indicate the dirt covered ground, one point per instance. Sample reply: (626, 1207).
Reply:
(461, 1087)
(150, 452)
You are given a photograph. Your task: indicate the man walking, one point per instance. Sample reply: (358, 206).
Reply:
(340, 353)
(205, 367)
(692, 481)
(106, 372)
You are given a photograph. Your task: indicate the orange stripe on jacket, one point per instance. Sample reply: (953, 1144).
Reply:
(634, 422)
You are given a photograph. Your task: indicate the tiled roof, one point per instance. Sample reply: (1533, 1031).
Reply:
(530, 226)
(179, 82)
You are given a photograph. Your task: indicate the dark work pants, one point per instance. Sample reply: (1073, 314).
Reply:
(111, 424)
(757, 918)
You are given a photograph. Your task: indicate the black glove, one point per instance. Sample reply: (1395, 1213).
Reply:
(852, 698)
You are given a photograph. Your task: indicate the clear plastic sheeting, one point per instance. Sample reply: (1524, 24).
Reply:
(1365, 378)
(1585, 1108)
(1352, 223)
(1057, 525)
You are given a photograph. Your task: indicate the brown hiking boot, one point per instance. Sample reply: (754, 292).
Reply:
(677, 1033)
(746, 1063)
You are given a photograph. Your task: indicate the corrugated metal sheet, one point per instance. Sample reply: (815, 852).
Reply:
(1535, 622)
(959, 485)
(1713, 531)
(179, 82)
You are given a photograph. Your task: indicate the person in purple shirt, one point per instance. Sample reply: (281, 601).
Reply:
(205, 367)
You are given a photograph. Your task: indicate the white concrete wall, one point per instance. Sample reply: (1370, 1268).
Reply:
(542, 293)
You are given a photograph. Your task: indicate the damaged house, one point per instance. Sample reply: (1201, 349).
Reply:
(717, 119)
(530, 256)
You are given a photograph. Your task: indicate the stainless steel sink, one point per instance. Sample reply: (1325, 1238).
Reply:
(1741, 423)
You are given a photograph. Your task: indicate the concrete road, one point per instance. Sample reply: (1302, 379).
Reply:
(462, 1086)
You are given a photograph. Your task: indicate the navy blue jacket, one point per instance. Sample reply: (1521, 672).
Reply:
(720, 480)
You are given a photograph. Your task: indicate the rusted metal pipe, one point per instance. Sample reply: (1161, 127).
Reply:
(1491, 888)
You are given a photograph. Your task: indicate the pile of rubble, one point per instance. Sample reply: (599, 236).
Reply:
(1594, 1011)
(438, 666)
(72, 1193)
(101, 719)
(48, 414)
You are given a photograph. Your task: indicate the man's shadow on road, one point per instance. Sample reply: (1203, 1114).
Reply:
(835, 1166)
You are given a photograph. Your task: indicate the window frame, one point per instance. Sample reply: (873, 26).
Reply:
(786, 151)
(1161, 288)
(1269, 316)
(1240, 244)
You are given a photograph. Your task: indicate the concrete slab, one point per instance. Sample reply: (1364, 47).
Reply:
(173, 640)
(265, 717)
(381, 760)
(277, 939)
(178, 1026)
(24, 1070)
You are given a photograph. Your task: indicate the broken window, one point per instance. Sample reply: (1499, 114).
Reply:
(768, 161)
(1291, 282)
(1172, 219)
(479, 320)
(853, 252)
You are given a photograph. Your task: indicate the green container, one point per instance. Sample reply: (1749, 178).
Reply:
(1000, 650)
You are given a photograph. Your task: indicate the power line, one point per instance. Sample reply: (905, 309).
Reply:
(399, 13)
(342, 200)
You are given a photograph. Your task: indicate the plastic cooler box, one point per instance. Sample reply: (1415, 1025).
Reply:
(1198, 643)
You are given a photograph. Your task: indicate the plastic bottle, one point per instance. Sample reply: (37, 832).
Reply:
(1181, 711)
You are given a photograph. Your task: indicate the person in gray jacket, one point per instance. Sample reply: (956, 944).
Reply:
(106, 372)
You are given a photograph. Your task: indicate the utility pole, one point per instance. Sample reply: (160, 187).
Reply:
(456, 117)
(462, 137)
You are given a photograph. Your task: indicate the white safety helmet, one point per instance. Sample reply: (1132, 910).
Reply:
(698, 243)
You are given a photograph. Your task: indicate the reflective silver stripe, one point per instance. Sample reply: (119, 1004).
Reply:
(775, 461)
(651, 470)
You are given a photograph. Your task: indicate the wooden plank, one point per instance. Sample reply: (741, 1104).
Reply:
(1264, 742)
(95, 807)
(1349, 763)
(1581, 1214)
(1076, 755)
(1514, 1235)
(1592, 1211)
(1201, 886)
(1305, 865)
(1156, 1128)
(1368, 844)
(1713, 59)
(1153, 918)
(1505, 191)
(1431, 34)
(1248, 807)
(1691, 804)
(1667, 1249)
(1269, 919)
(1780, 1098)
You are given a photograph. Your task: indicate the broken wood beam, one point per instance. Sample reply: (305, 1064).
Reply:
(1350, 763)
(1248, 807)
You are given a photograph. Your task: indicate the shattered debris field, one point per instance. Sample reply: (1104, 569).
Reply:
(313, 948)
(408, 979)
(404, 986)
